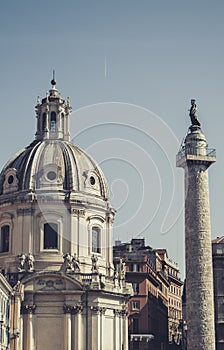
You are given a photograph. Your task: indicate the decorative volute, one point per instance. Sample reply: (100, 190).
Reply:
(53, 115)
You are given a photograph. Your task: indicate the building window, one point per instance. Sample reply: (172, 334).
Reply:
(135, 267)
(136, 345)
(53, 122)
(4, 239)
(95, 239)
(135, 305)
(220, 332)
(92, 180)
(62, 123)
(44, 121)
(135, 325)
(135, 287)
(10, 179)
(51, 236)
(218, 251)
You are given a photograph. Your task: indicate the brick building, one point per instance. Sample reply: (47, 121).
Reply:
(174, 297)
(218, 275)
(155, 308)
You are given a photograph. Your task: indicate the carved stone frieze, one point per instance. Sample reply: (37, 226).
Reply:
(50, 284)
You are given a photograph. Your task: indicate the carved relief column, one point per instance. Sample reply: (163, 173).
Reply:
(67, 327)
(29, 310)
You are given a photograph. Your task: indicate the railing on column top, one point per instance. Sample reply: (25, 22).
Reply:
(207, 152)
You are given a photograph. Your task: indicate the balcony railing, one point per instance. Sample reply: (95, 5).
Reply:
(196, 151)
(141, 337)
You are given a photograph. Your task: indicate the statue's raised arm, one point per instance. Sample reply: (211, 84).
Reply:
(193, 114)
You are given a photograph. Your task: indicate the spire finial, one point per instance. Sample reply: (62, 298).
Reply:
(53, 81)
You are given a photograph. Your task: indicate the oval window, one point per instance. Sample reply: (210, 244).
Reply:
(92, 180)
(10, 179)
(51, 175)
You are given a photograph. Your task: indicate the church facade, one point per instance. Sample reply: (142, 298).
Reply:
(56, 243)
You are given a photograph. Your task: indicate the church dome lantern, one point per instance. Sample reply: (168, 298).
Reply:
(53, 114)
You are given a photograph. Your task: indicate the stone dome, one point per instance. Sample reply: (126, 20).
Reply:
(56, 226)
(53, 165)
(54, 200)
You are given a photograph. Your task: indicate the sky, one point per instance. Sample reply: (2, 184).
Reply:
(130, 69)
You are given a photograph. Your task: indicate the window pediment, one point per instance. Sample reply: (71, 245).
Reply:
(97, 218)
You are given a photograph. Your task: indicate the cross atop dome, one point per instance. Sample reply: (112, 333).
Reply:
(53, 81)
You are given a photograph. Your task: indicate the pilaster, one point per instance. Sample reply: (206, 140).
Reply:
(28, 311)
(67, 327)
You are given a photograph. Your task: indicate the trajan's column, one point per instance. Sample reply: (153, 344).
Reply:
(195, 158)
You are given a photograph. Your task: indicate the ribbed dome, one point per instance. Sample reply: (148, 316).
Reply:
(53, 165)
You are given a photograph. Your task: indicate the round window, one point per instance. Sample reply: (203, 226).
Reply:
(92, 180)
(51, 175)
(10, 179)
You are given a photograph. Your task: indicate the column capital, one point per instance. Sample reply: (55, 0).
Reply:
(98, 310)
(72, 309)
(123, 313)
(28, 308)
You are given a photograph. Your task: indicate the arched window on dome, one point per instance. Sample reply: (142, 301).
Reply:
(96, 239)
(62, 123)
(44, 121)
(4, 239)
(50, 235)
(53, 122)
